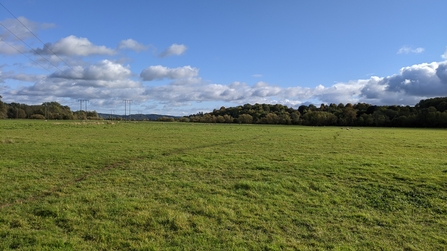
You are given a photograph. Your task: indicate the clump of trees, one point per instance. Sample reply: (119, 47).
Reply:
(47, 110)
(427, 113)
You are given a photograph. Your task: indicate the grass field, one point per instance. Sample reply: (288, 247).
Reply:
(179, 186)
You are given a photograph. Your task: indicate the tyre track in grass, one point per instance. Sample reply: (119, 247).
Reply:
(107, 168)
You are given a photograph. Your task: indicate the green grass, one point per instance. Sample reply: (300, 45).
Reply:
(180, 186)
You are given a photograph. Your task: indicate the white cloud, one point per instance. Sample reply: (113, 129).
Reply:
(407, 50)
(100, 90)
(444, 56)
(74, 46)
(411, 84)
(173, 50)
(159, 72)
(339, 92)
(132, 45)
(263, 89)
(104, 70)
(103, 81)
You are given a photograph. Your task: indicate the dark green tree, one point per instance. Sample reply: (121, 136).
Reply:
(245, 119)
(3, 109)
(320, 118)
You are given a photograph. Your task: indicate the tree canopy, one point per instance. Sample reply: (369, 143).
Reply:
(427, 113)
(47, 110)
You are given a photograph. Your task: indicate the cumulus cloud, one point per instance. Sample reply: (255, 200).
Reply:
(173, 50)
(104, 70)
(444, 56)
(411, 84)
(407, 50)
(102, 81)
(338, 93)
(159, 72)
(132, 45)
(263, 89)
(74, 46)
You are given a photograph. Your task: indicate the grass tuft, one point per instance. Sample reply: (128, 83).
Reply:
(7, 141)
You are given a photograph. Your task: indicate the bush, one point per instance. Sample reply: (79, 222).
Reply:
(245, 119)
(184, 119)
(166, 119)
(37, 116)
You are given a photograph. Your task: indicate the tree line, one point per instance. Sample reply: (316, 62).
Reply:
(47, 110)
(427, 113)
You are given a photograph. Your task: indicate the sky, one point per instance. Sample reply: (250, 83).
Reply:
(181, 57)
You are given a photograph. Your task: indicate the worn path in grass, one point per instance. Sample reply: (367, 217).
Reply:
(154, 186)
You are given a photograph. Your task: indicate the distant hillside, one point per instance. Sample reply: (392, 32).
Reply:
(135, 116)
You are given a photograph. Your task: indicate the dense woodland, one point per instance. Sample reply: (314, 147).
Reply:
(427, 113)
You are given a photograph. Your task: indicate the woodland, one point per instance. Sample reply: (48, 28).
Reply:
(427, 113)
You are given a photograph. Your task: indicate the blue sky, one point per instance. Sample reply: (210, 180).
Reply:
(181, 57)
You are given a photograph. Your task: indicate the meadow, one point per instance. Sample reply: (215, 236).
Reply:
(98, 185)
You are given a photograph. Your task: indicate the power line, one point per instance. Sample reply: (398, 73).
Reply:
(1, 39)
(34, 35)
(30, 47)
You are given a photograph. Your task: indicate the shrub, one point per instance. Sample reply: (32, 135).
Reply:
(166, 119)
(37, 116)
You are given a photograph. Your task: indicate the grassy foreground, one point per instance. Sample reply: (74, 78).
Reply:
(178, 186)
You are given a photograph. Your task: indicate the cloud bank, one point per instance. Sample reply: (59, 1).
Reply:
(110, 80)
